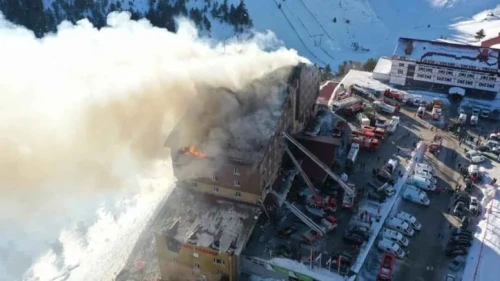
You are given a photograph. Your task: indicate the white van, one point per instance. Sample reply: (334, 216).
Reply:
(421, 183)
(415, 195)
(390, 247)
(409, 218)
(424, 169)
(423, 166)
(399, 225)
(395, 236)
(426, 175)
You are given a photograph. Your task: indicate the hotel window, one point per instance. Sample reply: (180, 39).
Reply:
(218, 271)
(400, 71)
(468, 83)
(218, 261)
(441, 72)
(461, 81)
(439, 78)
(237, 194)
(449, 72)
(428, 76)
(491, 86)
(482, 84)
(470, 75)
(214, 178)
(237, 183)
(196, 255)
(216, 189)
(401, 64)
(429, 70)
(236, 171)
(492, 78)
(196, 266)
(447, 79)
(462, 74)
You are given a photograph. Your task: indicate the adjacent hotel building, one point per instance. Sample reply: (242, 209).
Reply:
(446, 67)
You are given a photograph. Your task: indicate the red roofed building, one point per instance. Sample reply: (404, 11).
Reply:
(324, 148)
(325, 92)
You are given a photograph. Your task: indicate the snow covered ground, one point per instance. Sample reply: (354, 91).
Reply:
(484, 255)
(308, 26)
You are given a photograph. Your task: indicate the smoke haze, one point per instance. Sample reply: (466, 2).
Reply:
(85, 112)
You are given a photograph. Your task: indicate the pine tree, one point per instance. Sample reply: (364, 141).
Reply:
(370, 64)
(480, 34)
(207, 23)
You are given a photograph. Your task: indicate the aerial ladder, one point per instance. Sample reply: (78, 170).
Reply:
(347, 189)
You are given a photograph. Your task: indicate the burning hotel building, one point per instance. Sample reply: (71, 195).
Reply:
(226, 154)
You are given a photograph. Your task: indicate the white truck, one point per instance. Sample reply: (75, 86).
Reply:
(409, 218)
(390, 247)
(393, 124)
(362, 119)
(352, 155)
(421, 182)
(383, 107)
(343, 103)
(399, 225)
(394, 236)
(415, 195)
(475, 116)
(462, 119)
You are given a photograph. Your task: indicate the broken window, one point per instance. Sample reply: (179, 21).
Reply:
(216, 189)
(214, 178)
(196, 265)
(237, 183)
(218, 261)
(196, 255)
(236, 171)
(237, 194)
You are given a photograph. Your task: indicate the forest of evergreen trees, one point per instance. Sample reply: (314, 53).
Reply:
(31, 13)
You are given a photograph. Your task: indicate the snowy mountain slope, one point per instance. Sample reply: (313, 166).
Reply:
(362, 28)
(373, 24)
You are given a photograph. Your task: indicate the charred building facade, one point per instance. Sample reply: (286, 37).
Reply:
(247, 164)
(231, 176)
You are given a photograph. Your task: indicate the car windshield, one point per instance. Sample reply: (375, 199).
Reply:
(399, 251)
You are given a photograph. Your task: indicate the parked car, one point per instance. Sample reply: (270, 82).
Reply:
(482, 148)
(361, 230)
(353, 238)
(477, 159)
(459, 209)
(458, 231)
(457, 263)
(452, 251)
(450, 277)
(471, 153)
(463, 242)
(474, 205)
(376, 196)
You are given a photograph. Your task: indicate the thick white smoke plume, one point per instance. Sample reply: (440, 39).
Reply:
(83, 117)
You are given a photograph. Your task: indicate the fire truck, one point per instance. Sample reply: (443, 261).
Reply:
(366, 143)
(377, 131)
(386, 267)
(353, 109)
(328, 223)
(399, 96)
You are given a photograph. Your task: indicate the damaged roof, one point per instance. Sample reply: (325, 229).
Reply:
(206, 221)
(235, 124)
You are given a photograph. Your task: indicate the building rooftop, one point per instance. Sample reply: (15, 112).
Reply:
(324, 148)
(383, 66)
(463, 56)
(206, 221)
(235, 124)
(326, 91)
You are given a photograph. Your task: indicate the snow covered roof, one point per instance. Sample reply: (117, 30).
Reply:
(383, 66)
(203, 220)
(451, 54)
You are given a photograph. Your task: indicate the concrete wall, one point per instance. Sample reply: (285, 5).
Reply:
(216, 189)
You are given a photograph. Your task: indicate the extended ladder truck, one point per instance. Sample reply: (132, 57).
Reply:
(349, 190)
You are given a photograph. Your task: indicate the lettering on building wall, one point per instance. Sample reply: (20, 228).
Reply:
(200, 249)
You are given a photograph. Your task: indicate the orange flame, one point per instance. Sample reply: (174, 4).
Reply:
(192, 150)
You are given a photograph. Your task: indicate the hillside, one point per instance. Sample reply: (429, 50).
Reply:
(327, 32)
